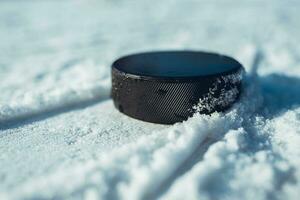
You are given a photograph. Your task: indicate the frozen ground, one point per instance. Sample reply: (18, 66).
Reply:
(61, 138)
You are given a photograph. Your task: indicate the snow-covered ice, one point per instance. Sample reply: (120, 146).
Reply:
(61, 138)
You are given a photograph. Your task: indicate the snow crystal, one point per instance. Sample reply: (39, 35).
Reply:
(226, 97)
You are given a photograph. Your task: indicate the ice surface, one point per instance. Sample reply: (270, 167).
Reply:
(61, 138)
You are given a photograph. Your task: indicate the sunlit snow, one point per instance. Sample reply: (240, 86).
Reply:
(61, 137)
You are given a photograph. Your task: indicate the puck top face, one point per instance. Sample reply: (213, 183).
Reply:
(166, 87)
(176, 64)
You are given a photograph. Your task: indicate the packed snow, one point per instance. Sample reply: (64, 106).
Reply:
(62, 138)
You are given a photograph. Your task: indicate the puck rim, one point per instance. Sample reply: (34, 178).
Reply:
(238, 66)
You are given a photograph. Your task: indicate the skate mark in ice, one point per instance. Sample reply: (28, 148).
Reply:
(42, 114)
(189, 162)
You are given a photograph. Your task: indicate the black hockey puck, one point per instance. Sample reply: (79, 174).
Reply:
(169, 86)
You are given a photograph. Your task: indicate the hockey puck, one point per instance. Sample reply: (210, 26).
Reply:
(166, 87)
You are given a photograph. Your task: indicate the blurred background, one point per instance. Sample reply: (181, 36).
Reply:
(51, 50)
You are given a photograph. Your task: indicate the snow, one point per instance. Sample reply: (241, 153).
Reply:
(226, 97)
(61, 138)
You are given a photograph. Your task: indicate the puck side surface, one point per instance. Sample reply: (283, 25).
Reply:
(166, 87)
